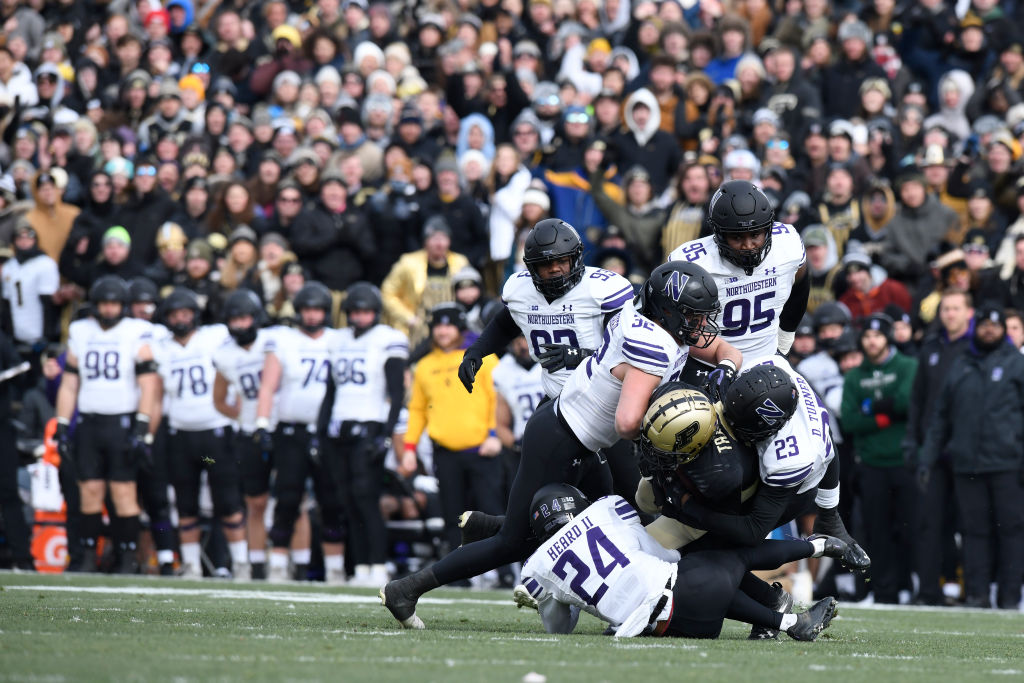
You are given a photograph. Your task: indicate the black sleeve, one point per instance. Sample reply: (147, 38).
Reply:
(498, 334)
(767, 508)
(394, 376)
(795, 307)
(51, 319)
(324, 417)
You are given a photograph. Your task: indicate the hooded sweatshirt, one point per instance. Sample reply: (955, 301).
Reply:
(653, 149)
(954, 119)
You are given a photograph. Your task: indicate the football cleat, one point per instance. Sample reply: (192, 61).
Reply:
(401, 605)
(522, 598)
(190, 571)
(811, 623)
(278, 575)
(476, 526)
(335, 577)
(167, 569)
(258, 571)
(241, 571)
(783, 602)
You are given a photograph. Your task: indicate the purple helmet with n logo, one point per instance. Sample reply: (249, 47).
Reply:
(760, 402)
(682, 298)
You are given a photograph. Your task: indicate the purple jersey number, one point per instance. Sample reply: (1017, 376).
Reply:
(596, 542)
(740, 315)
(538, 337)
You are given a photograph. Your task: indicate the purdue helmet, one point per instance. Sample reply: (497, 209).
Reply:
(313, 295)
(678, 424)
(181, 298)
(760, 402)
(682, 298)
(552, 239)
(240, 303)
(109, 288)
(739, 207)
(554, 506)
(362, 296)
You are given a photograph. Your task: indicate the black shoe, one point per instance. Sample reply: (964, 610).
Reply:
(401, 604)
(849, 553)
(167, 569)
(978, 602)
(24, 566)
(476, 526)
(128, 564)
(782, 602)
(90, 562)
(258, 572)
(815, 620)
(301, 572)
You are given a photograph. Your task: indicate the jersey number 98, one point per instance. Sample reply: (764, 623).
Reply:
(103, 365)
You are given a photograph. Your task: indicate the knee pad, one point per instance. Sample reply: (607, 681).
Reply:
(333, 534)
(160, 525)
(233, 525)
(191, 526)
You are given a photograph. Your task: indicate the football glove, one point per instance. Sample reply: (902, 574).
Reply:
(314, 449)
(470, 365)
(554, 357)
(142, 442)
(264, 440)
(719, 380)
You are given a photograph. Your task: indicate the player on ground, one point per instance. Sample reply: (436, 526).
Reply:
(622, 575)
(759, 267)
(604, 400)
(295, 371)
(239, 364)
(198, 437)
(110, 376)
(364, 397)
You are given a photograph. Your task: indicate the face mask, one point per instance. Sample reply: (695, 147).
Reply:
(243, 336)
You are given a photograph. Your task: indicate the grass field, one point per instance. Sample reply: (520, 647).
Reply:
(133, 629)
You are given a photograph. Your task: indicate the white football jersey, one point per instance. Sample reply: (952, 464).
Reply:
(799, 454)
(591, 396)
(305, 365)
(23, 284)
(357, 364)
(187, 372)
(605, 563)
(751, 304)
(522, 389)
(243, 369)
(106, 364)
(576, 319)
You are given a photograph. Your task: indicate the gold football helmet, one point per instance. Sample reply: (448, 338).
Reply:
(677, 426)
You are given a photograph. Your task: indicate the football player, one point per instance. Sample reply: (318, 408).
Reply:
(295, 371)
(198, 437)
(153, 480)
(364, 397)
(239, 365)
(604, 400)
(622, 575)
(30, 280)
(759, 267)
(110, 376)
(562, 308)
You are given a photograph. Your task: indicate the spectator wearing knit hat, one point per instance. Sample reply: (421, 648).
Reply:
(841, 81)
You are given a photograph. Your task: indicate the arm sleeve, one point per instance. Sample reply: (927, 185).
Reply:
(326, 406)
(769, 503)
(795, 307)
(558, 617)
(51, 318)
(394, 377)
(498, 334)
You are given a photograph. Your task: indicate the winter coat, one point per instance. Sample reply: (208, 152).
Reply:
(142, 216)
(654, 150)
(912, 234)
(841, 85)
(977, 418)
(876, 399)
(334, 246)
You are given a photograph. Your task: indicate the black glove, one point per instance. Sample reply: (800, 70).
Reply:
(855, 558)
(719, 380)
(63, 440)
(470, 365)
(142, 444)
(554, 357)
(264, 440)
(381, 446)
(922, 477)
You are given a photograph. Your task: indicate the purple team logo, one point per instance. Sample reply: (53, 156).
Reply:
(770, 412)
(674, 284)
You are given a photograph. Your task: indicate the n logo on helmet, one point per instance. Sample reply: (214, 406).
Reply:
(674, 285)
(770, 412)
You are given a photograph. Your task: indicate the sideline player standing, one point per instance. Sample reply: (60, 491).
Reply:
(295, 370)
(239, 364)
(198, 437)
(364, 395)
(759, 267)
(603, 401)
(110, 375)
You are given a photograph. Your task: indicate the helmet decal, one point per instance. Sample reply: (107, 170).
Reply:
(770, 412)
(674, 285)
